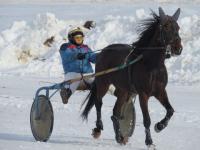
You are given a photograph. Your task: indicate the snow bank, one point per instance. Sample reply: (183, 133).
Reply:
(22, 50)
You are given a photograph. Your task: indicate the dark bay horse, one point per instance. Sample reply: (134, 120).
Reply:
(158, 40)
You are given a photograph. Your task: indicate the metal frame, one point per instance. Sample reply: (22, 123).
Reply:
(47, 89)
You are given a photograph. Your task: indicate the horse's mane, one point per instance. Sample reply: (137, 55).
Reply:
(146, 29)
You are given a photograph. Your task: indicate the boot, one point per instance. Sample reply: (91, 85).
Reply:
(65, 95)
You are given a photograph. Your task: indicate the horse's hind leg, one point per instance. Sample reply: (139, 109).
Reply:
(101, 91)
(143, 98)
(163, 99)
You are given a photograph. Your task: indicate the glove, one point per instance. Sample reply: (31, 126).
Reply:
(80, 56)
(89, 24)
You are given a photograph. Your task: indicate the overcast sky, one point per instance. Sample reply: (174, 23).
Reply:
(70, 1)
(82, 1)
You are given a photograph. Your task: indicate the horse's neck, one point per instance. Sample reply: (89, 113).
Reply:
(156, 40)
(154, 56)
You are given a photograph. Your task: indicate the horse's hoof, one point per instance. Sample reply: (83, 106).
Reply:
(124, 140)
(158, 127)
(96, 133)
(151, 147)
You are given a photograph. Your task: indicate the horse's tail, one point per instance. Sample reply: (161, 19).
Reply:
(90, 99)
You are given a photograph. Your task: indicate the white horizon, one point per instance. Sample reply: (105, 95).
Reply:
(3, 2)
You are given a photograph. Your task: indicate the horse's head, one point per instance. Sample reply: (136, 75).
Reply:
(170, 32)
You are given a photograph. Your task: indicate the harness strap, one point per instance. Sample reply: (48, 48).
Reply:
(131, 87)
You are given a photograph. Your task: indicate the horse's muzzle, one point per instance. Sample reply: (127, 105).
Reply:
(177, 48)
(180, 50)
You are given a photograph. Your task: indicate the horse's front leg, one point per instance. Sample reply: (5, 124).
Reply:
(143, 98)
(163, 98)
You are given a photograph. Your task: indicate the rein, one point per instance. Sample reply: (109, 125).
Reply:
(104, 71)
(140, 48)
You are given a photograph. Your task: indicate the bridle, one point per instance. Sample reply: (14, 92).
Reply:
(167, 47)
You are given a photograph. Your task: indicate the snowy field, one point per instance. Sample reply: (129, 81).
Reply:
(25, 62)
(70, 132)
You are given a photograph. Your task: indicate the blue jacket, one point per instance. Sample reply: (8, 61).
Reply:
(68, 53)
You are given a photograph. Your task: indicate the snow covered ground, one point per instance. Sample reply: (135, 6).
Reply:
(25, 62)
(70, 132)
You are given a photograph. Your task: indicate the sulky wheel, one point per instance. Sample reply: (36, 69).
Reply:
(42, 124)
(127, 123)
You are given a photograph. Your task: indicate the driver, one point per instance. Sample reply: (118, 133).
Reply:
(76, 58)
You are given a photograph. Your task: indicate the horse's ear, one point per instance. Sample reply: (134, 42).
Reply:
(162, 15)
(176, 14)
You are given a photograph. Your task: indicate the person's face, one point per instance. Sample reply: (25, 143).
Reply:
(78, 39)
